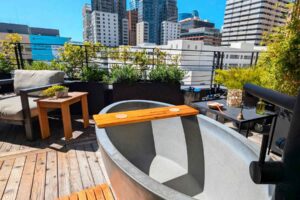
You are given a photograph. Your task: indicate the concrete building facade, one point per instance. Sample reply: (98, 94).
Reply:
(142, 33)
(246, 21)
(169, 31)
(105, 28)
(197, 59)
(210, 36)
(132, 16)
(87, 18)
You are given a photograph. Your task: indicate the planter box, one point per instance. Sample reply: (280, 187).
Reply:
(6, 88)
(162, 92)
(96, 97)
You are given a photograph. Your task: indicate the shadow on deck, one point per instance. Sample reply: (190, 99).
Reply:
(51, 168)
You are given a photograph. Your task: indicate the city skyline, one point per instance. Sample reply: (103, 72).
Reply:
(68, 19)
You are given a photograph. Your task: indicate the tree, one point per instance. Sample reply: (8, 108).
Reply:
(75, 57)
(282, 58)
(8, 59)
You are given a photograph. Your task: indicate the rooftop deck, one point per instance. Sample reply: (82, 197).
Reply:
(47, 169)
(51, 168)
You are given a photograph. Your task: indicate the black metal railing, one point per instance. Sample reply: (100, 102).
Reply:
(200, 65)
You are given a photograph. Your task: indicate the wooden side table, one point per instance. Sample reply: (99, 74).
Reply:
(63, 104)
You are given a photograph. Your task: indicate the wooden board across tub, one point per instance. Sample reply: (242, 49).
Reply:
(135, 116)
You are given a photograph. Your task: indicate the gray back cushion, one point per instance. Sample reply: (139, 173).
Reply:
(35, 78)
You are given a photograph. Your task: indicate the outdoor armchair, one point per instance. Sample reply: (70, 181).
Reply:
(21, 108)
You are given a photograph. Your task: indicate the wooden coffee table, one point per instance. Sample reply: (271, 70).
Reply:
(64, 104)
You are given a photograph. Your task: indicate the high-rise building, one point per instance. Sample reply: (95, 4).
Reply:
(246, 21)
(120, 9)
(191, 23)
(154, 12)
(183, 16)
(169, 31)
(133, 4)
(105, 28)
(103, 5)
(132, 16)
(142, 33)
(210, 36)
(87, 30)
(125, 32)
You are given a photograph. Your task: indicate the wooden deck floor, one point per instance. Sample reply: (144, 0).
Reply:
(51, 168)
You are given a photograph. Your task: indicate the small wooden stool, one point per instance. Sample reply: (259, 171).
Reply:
(63, 104)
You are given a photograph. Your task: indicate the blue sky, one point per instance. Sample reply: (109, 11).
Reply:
(66, 16)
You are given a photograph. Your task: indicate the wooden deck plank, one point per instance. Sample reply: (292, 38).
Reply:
(94, 165)
(112, 119)
(51, 188)
(85, 171)
(12, 186)
(63, 175)
(4, 174)
(75, 178)
(38, 187)
(27, 178)
(107, 192)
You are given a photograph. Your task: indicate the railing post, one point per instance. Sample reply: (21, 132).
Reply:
(86, 56)
(213, 71)
(256, 58)
(17, 56)
(20, 55)
(252, 57)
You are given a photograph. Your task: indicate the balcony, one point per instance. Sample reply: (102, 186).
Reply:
(56, 167)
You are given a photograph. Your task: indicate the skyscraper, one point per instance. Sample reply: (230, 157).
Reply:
(120, 9)
(132, 16)
(246, 21)
(133, 4)
(154, 12)
(103, 5)
(87, 16)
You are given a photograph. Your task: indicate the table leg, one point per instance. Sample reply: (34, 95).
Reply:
(248, 129)
(272, 130)
(85, 111)
(44, 123)
(240, 127)
(65, 110)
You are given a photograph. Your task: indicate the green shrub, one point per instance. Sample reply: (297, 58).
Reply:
(39, 65)
(5, 66)
(166, 74)
(124, 74)
(51, 90)
(92, 73)
(237, 77)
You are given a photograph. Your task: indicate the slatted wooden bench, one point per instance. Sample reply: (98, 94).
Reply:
(100, 192)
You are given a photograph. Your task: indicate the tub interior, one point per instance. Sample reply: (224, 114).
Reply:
(179, 154)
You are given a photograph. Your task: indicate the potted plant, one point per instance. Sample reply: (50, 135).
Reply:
(58, 91)
(164, 87)
(234, 80)
(91, 81)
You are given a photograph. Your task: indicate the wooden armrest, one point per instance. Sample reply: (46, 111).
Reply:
(136, 116)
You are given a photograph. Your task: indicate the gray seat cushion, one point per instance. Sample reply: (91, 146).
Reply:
(24, 79)
(11, 108)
